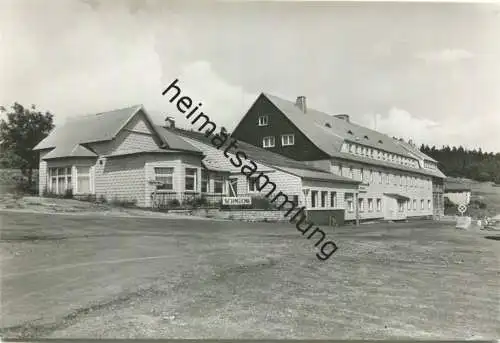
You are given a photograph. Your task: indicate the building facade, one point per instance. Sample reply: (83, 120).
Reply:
(397, 180)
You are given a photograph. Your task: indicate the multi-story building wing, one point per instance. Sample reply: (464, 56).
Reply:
(397, 180)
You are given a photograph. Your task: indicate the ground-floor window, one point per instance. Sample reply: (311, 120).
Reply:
(408, 202)
(83, 180)
(190, 183)
(166, 177)
(401, 205)
(422, 204)
(219, 184)
(370, 205)
(348, 199)
(415, 204)
(296, 200)
(361, 203)
(253, 184)
(60, 180)
(324, 196)
(429, 204)
(314, 196)
(333, 199)
(204, 181)
(379, 205)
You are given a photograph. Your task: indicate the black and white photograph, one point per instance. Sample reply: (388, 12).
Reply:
(249, 170)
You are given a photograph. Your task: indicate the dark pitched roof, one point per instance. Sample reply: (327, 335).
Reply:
(328, 133)
(269, 158)
(174, 141)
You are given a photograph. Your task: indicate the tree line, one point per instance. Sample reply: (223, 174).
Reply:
(459, 162)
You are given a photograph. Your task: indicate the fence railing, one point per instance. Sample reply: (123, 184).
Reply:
(174, 200)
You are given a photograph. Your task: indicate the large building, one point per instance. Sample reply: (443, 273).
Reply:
(397, 180)
(121, 155)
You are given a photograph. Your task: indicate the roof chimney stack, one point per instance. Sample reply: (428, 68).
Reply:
(301, 103)
(343, 117)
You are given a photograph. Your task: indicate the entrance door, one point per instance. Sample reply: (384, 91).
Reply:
(233, 187)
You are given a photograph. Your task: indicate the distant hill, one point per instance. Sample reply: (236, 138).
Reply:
(462, 163)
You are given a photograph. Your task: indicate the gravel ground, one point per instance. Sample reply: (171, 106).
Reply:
(111, 277)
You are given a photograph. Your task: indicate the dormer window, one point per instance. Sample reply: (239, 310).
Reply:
(328, 125)
(366, 137)
(349, 132)
(380, 141)
(263, 120)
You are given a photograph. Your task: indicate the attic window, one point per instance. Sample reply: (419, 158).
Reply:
(366, 137)
(380, 141)
(328, 125)
(349, 132)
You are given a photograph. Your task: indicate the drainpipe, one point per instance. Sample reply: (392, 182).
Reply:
(356, 203)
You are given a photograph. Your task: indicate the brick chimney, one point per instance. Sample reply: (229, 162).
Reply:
(301, 103)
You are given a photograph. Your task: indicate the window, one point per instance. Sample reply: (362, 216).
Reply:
(351, 148)
(371, 153)
(401, 205)
(362, 175)
(429, 206)
(379, 177)
(333, 199)
(324, 196)
(401, 177)
(204, 181)
(370, 176)
(370, 205)
(340, 170)
(422, 204)
(165, 175)
(415, 204)
(287, 139)
(387, 178)
(408, 202)
(395, 179)
(83, 180)
(263, 120)
(348, 197)
(379, 205)
(361, 204)
(253, 184)
(358, 150)
(268, 142)
(314, 197)
(296, 199)
(190, 182)
(219, 184)
(60, 180)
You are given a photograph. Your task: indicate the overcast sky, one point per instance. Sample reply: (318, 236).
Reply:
(426, 71)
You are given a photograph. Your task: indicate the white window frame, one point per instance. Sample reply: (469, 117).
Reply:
(53, 173)
(194, 177)
(78, 175)
(222, 179)
(205, 177)
(422, 204)
(414, 204)
(287, 139)
(269, 140)
(370, 205)
(361, 204)
(263, 120)
(379, 205)
(333, 199)
(162, 174)
(429, 204)
(253, 182)
(323, 199)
